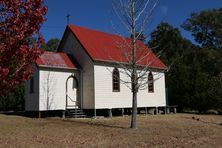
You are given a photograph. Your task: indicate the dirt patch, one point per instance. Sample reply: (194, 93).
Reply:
(180, 130)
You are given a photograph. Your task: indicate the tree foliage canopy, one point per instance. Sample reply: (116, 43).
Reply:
(168, 40)
(206, 27)
(20, 20)
(51, 45)
(194, 80)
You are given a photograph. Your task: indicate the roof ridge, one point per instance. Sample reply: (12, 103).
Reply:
(99, 31)
(100, 45)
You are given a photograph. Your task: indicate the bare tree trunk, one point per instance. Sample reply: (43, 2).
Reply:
(134, 72)
(134, 112)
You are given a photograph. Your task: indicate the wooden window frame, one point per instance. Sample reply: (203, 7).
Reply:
(116, 80)
(31, 85)
(150, 85)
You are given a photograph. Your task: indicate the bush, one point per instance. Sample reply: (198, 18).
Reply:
(14, 100)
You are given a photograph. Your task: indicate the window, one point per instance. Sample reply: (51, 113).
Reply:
(116, 80)
(32, 85)
(150, 82)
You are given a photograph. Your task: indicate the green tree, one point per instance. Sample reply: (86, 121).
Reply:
(51, 45)
(206, 27)
(193, 79)
(167, 40)
(193, 66)
(176, 52)
(216, 91)
(14, 100)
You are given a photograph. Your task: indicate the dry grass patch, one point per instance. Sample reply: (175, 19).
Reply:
(179, 130)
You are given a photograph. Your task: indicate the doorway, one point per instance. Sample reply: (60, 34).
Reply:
(72, 93)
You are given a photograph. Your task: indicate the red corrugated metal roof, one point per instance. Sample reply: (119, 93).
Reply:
(103, 46)
(55, 60)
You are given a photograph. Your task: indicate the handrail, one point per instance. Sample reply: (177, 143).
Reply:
(76, 102)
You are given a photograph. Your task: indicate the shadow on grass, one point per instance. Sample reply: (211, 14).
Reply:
(32, 114)
(47, 116)
(89, 122)
(16, 113)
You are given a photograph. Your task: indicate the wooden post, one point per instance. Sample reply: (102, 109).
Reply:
(165, 110)
(94, 113)
(110, 113)
(175, 110)
(138, 110)
(63, 114)
(157, 112)
(146, 110)
(168, 109)
(126, 111)
(122, 111)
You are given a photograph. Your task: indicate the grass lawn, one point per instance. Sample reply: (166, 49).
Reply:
(175, 130)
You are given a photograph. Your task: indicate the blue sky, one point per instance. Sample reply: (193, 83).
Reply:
(99, 14)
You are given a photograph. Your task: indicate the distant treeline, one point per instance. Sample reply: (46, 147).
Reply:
(194, 80)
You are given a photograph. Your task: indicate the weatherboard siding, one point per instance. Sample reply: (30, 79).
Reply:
(53, 87)
(106, 98)
(73, 47)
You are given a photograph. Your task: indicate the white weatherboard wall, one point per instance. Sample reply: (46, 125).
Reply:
(106, 98)
(72, 46)
(53, 88)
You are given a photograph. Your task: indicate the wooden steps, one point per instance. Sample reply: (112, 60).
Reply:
(75, 113)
